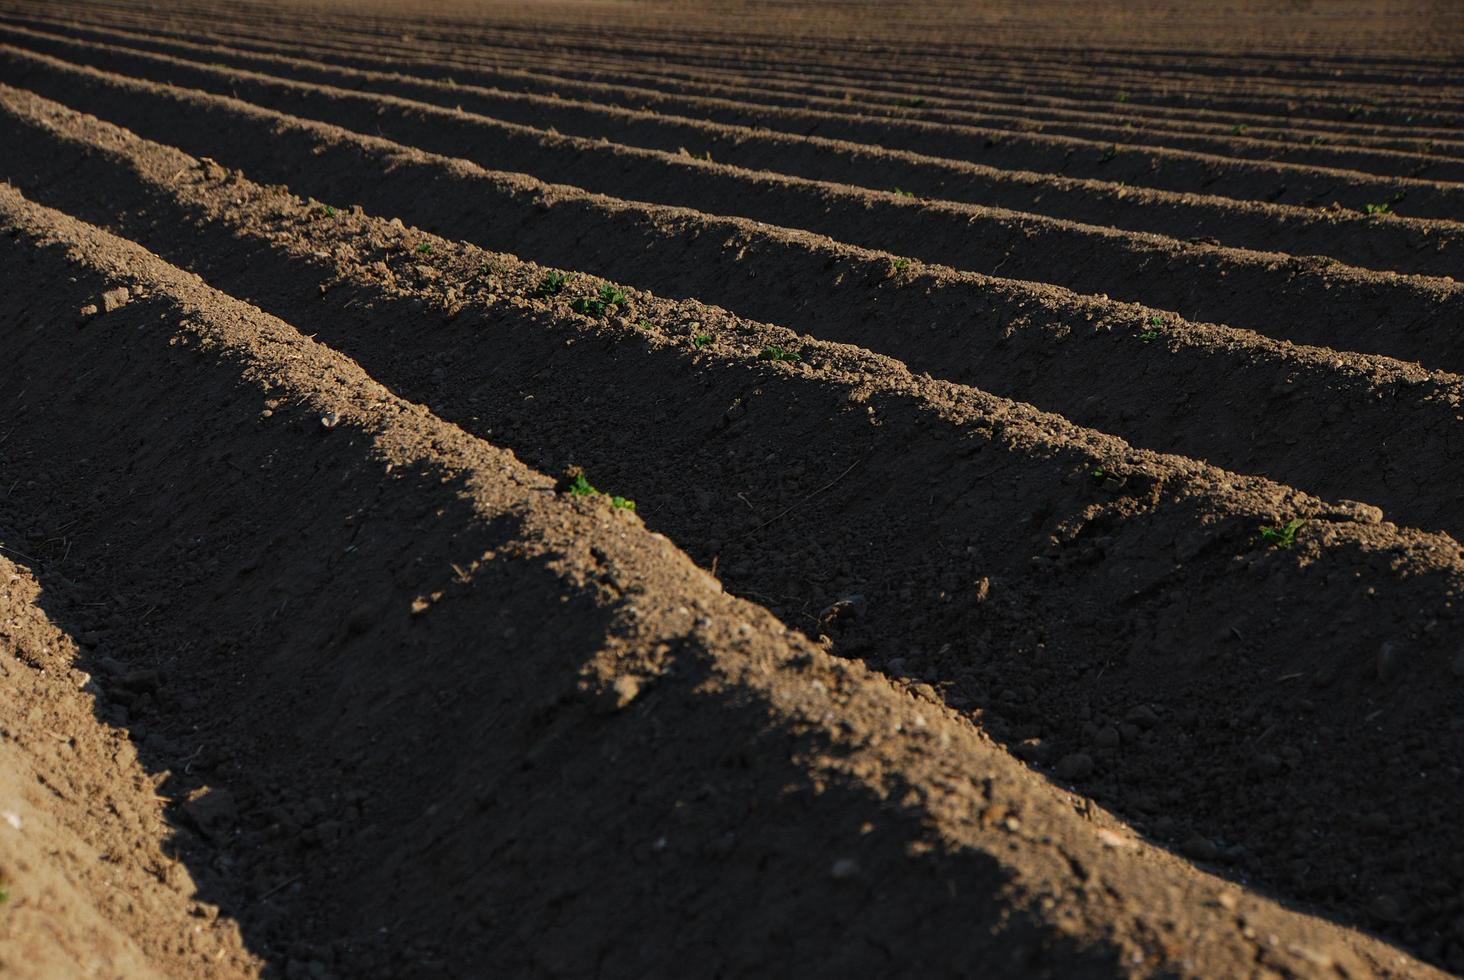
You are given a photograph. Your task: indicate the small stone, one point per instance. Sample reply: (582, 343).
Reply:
(115, 299)
(850, 607)
(1200, 848)
(1388, 661)
(1387, 908)
(212, 811)
(88, 311)
(330, 420)
(624, 690)
(844, 869)
(1361, 512)
(1143, 716)
(1071, 768)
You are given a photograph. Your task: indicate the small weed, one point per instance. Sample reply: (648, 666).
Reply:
(772, 352)
(330, 211)
(1282, 535)
(1385, 207)
(1152, 333)
(552, 284)
(911, 101)
(1109, 153)
(577, 485)
(643, 324)
(701, 340)
(1099, 472)
(903, 193)
(600, 304)
(1121, 97)
(425, 248)
(901, 265)
(1149, 336)
(1238, 129)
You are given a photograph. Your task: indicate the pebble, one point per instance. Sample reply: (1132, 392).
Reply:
(844, 869)
(624, 690)
(1143, 716)
(88, 311)
(115, 299)
(1078, 765)
(1200, 848)
(1387, 908)
(1388, 661)
(330, 420)
(212, 811)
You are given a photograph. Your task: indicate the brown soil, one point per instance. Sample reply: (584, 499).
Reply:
(1023, 590)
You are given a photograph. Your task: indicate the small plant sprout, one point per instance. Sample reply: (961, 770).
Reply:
(1098, 472)
(1238, 129)
(1109, 153)
(1152, 333)
(1382, 208)
(901, 265)
(643, 324)
(773, 352)
(597, 306)
(1282, 535)
(1122, 97)
(575, 484)
(701, 340)
(425, 248)
(904, 193)
(330, 211)
(552, 284)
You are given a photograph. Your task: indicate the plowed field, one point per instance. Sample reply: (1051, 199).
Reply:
(754, 489)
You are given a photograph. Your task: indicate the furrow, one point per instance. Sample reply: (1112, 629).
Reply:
(1160, 168)
(1400, 104)
(759, 713)
(1144, 560)
(445, 61)
(1312, 301)
(1439, 160)
(1104, 365)
(1397, 244)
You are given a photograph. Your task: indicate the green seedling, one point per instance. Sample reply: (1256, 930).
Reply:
(1122, 97)
(772, 352)
(1282, 535)
(552, 284)
(330, 211)
(1238, 129)
(1098, 472)
(903, 193)
(701, 340)
(1109, 153)
(424, 249)
(1149, 336)
(1382, 208)
(643, 324)
(901, 265)
(600, 304)
(576, 485)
